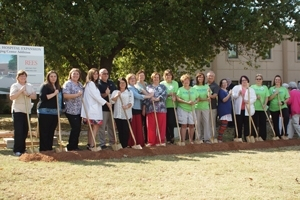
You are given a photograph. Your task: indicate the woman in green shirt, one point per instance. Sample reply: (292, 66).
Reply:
(259, 117)
(202, 109)
(275, 105)
(172, 87)
(187, 97)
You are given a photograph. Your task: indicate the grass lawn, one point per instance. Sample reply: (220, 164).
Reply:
(248, 174)
(265, 174)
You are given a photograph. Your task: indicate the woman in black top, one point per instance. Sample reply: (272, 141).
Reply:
(47, 110)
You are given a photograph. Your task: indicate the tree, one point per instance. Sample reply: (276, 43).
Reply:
(12, 63)
(142, 33)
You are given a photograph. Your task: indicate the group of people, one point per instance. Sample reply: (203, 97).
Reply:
(153, 109)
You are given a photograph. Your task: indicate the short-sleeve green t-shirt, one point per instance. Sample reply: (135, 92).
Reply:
(263, 92)
(283, 95)
(202, 91)
(187, 95)
(171, 87)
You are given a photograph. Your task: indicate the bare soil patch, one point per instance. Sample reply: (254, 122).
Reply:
(153, 151)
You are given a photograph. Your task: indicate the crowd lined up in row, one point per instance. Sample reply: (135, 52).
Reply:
(154, 109)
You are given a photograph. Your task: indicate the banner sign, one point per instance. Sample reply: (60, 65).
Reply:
(14, 58)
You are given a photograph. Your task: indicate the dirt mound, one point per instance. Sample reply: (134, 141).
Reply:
(153, 151)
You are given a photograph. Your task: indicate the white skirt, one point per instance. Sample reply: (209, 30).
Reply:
(226, 117)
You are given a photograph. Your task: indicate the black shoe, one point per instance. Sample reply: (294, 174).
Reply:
(88, 146)
(103, 147)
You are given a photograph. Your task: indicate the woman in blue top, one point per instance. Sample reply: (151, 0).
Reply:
(224, 108)
(136, 122)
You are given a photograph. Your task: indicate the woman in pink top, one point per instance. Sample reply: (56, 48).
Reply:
(294, 104)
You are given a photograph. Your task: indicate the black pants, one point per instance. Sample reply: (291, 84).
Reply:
(145, 128)
(75, 123)
(259, 119)
(243, 120)
(171, 124)
(275, 119)
(123, 131)
(21, 131)
(47, 125)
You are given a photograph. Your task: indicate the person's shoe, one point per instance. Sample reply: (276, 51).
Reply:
(207, 142)
(88, 146)
(220, 141)
(18, 154)
(103, 147)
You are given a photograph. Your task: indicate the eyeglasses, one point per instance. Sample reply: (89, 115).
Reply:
(104, 73)
(244, 80)
(259, 79)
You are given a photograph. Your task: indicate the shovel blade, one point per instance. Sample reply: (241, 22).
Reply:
(180, 143)
(198, 142)
(96, 149)
(275, 138)
(137, 147)
(238, 140)
(116, 147)
(252, 140)
(30, 150)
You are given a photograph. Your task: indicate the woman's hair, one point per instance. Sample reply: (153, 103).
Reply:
(245, 78)
(185, 76)
(119, 81)
(167, 72)
(20, 73)
(277, 76)
(200, 74)
(224, 79)
(259, 75)
(74, 70)
(140, 72)
(56, 84)
(154, 74)
(90, 76)
(129, 77)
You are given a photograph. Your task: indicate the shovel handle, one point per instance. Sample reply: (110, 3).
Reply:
(156, 122)
(271, 125)
(234, 118)
(176, 118)
(113, 120)
(59, 126)
(28, 121)
(211, 116)
(129, 125)
(282, 122)
(88, 121)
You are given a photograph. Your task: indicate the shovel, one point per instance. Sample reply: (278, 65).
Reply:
(197, 138)
(61, 148)
(237, 139)
(31, 149)
(157, 128)
(271, 125)
(284, 137)
(135, 146)
(212, 139)
(95, 148)
(117, 146)
(249, 138)
(179, 143)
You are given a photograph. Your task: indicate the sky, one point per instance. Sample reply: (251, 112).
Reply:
(5, 58)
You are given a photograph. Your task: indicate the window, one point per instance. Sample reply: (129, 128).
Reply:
(268, 55)
(298, 51)
(232, 51)
(267, 83)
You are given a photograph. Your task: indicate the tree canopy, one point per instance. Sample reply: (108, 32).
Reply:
(126, 35)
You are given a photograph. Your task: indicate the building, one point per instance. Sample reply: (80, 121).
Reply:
(283, 60)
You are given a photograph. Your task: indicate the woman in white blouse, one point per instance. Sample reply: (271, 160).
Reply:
(119, 114)
(93, 103)
(241, 105)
